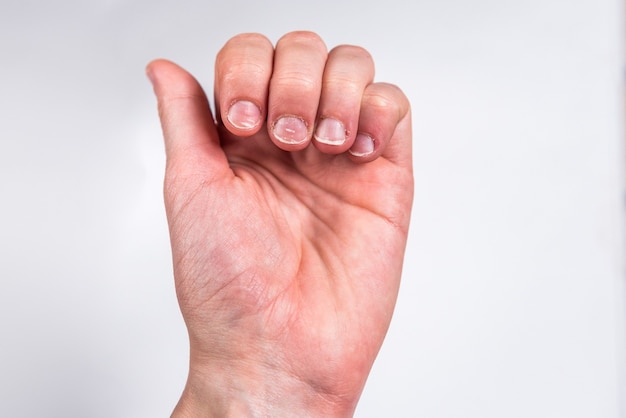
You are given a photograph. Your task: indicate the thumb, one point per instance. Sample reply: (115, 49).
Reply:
(192, 144)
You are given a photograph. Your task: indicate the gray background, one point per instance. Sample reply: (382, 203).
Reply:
(512, 302)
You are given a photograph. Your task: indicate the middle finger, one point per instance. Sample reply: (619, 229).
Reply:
(295, 89)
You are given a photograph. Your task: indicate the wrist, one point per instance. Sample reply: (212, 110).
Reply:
(226, 391)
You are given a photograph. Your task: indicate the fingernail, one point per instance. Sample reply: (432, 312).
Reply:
(330, 131)
(290, 130)
(244, 115)
(363, 146)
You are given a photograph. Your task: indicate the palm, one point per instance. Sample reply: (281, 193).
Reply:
(335, 229)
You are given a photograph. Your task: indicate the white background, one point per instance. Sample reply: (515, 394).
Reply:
(512, 302)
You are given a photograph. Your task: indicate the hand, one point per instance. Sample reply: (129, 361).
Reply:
(288, 220)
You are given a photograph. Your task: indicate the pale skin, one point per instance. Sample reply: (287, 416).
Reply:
(288, 213)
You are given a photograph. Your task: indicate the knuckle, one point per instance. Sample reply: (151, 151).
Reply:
(387, 98)
(244, 57)
(345, 85)
(309, 40)
(234, 47)
(351, 64)
(301, 81)
(354, 52)
(247, 38)
(247, 70)
(379, 100)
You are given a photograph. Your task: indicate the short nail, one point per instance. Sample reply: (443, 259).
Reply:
(244, 115)
(290, 130)
(363, 146)
(330, 131)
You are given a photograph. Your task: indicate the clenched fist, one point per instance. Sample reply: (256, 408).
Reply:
(288, 213)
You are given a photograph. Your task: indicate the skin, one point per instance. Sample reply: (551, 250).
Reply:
(287, 255)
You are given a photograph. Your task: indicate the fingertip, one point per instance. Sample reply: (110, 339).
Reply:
(150, 73)
(164, 75)
(153, 69)
(187, 122)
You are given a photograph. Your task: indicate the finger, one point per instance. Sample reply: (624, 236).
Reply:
(349, 69)
(191, 138)
(295, 89)
(243, 68)
(384, 126)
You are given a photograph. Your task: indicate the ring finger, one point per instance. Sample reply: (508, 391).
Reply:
(349, 70)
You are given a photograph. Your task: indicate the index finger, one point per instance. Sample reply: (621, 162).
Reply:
(243, 69)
